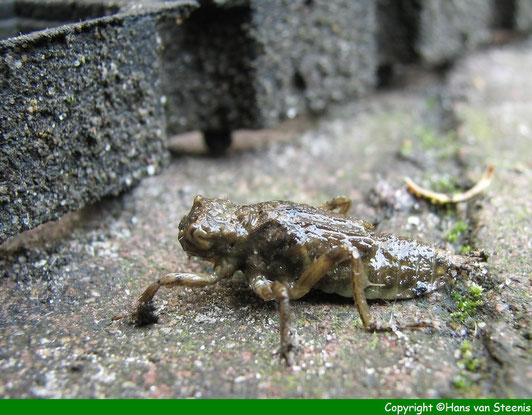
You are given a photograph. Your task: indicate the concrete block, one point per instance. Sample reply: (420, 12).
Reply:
(431, 31)
(448, 27)
(249, 64)
(523, 16)
(311, 54)
(80, 115)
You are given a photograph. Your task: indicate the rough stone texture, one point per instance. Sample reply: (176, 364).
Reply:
(251, 64)
(62, 283)
(523, 16)
(312, 54)
(493, 104)
(207, 77)
(433, 31)
(81, 116)
(25, 16)
(447, 27)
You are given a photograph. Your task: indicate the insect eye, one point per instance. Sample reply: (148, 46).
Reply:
(198, 201)
(200, 237)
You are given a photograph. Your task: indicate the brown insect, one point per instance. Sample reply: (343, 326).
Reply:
(285, 249)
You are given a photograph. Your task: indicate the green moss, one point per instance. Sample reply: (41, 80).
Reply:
(459, 228)
(468, 361)
(465, 249)
(444, 145)
(428, 138)
(460, 382)
(467, 303)
(476, 291)
(469, 365)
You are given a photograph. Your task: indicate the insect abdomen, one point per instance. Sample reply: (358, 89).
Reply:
(402, 268)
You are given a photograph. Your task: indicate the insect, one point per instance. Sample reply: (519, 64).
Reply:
(285, 249)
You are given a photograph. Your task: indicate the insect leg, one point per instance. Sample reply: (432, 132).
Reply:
(143, 314)
(222, 269)
(360, 282)
(342, 203)
(270, 290)
(178, 280)
(317, 270)
(327, 262)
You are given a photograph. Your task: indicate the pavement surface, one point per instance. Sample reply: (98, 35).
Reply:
(63, 282)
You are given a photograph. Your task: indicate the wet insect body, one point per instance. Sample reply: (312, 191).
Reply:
(285, 249)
